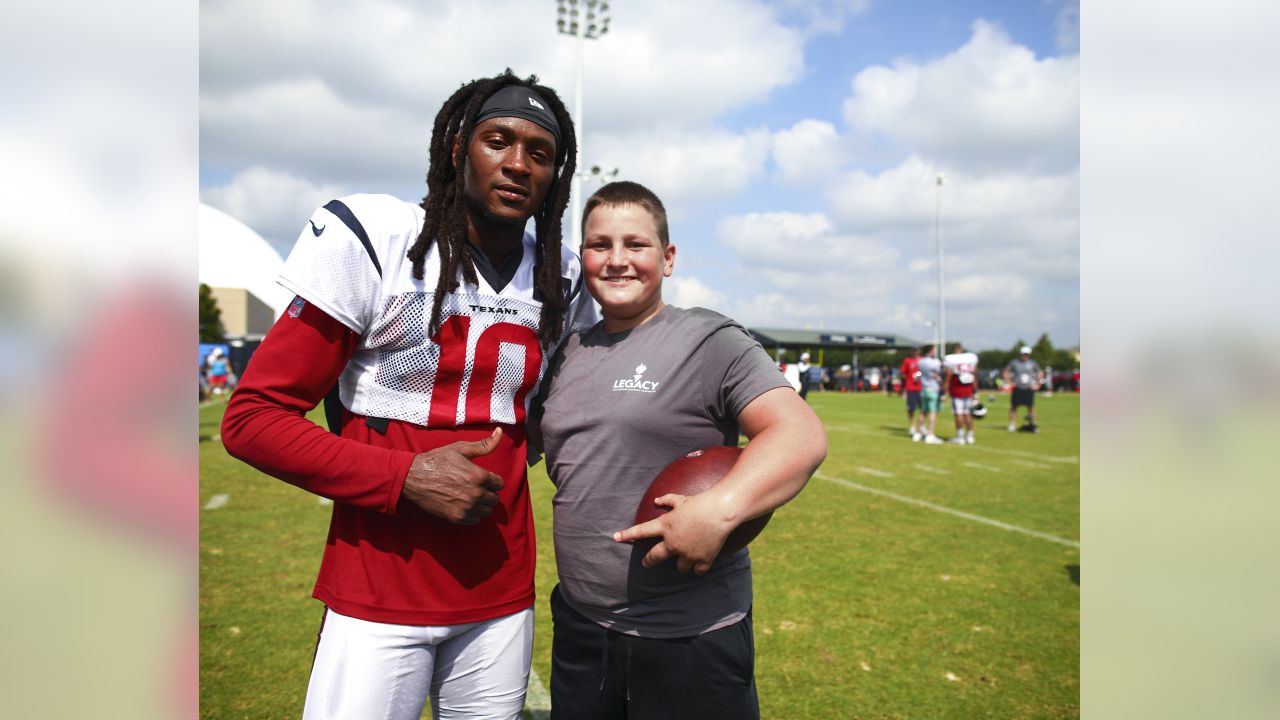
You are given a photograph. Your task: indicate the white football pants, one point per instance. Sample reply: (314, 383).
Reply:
(377, 671)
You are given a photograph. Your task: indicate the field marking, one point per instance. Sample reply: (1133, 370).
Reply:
(1028, 463)
(929, 469)
(537, 700)
(325, 501)
(1066, 459)
(874, 472)
(980, 466)
(216, 502)
(868, 430)
(949, 511)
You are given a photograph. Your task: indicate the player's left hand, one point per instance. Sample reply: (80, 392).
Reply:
(692, 533)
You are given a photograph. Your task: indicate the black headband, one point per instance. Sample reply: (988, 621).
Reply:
(521, 102)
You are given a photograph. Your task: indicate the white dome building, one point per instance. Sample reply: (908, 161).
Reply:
(241, 268)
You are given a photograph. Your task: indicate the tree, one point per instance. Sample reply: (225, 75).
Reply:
(211, 330)
(1042, 352)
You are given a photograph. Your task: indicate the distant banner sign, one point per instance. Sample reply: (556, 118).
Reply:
(857, 340)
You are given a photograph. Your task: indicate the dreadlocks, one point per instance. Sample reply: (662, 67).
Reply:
(445, 204)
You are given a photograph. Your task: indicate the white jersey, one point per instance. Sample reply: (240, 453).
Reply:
(484, 363)
(963, 365)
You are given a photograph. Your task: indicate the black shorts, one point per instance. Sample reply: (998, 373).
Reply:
(599, 674)
(913, 400)
(1024, 396)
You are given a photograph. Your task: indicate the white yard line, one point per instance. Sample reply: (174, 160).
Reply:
(980, 466)
(216, 502)
(325, 501)
(1028, 463)
(537, 700)
(874, 472)
(949, 511)
(930, 469)
(1066, 459)
(867, 430)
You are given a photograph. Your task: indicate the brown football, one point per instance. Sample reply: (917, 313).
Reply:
(692, 474)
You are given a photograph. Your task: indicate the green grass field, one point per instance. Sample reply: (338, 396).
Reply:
(867, 604)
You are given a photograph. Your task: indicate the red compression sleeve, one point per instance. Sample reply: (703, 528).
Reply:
(265, 425)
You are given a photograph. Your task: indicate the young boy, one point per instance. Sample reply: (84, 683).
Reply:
(636, 635)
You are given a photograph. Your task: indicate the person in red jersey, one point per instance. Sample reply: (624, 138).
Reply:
(435, 321)
(910, 370)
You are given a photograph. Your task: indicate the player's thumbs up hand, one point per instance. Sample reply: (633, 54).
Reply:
(445, 482)
(471, 449)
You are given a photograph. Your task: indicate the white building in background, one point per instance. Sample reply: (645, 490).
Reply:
(241, 269)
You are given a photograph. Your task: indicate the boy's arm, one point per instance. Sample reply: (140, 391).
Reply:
(788, 443)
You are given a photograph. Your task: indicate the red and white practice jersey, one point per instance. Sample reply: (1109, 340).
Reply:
(484, 362)
(964, 369)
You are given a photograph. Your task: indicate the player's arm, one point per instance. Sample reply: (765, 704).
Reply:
(265, 425)
(788, 443)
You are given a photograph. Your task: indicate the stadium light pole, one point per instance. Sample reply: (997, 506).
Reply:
(942, 303)
(584, 20)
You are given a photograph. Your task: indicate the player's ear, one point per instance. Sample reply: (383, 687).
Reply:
(668, 259)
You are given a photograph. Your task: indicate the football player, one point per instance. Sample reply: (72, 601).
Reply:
(435, 320)
(962, 383)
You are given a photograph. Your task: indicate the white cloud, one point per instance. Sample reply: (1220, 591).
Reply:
(305, 128)
(261, 65)
(799, 242)
(988, 287)
(684, 167)
(275, 205)
(989, 104)
(689, 291)
(808, 153)
(821, 16)
(982, 209)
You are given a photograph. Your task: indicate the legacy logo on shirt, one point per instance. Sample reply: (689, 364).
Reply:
(636, 383)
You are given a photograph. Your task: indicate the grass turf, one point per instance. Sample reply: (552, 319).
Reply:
(865, 606)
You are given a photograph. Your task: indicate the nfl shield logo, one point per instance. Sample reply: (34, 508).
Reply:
(295, 308)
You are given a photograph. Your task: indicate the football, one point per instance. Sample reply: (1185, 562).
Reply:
(692, 474)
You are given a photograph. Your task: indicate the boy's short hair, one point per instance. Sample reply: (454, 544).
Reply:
(625, 192)
(926, 349)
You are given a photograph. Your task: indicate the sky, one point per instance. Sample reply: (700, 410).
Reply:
(795, 143)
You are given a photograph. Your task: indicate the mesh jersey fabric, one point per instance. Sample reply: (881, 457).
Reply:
(485, 360)
(962, 364)
(386, 560)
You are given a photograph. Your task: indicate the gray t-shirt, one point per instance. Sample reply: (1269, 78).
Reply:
(617, 409)
(1024, 372)
(930, 373)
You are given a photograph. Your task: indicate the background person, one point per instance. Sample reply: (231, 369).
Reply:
(636, 635)
(803, 368)
(930, 391)
(910, 370)
(219, 371)
(1026, 376)
(427, 575)
(962, 381)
